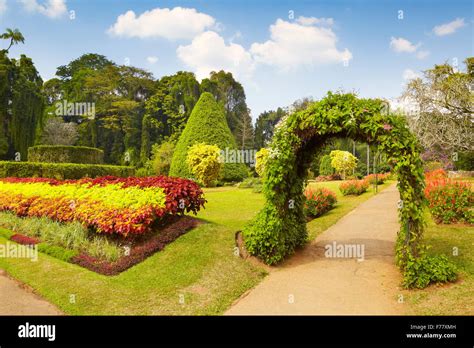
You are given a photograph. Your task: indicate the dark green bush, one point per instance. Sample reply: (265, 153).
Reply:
(61, 171)
(235, 172)
(57, 251)
(425, 270)
(65, 154)
(207, 124)
(465, 161)
(361, 170)
(325, 167)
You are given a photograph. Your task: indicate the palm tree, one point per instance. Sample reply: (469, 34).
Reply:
(14, 36)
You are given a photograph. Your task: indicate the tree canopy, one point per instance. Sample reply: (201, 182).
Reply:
(21, 106)
(444, 100)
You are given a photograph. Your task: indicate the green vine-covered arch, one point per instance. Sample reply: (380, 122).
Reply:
(280, 226)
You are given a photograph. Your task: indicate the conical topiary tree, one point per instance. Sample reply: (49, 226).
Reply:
(207, 124)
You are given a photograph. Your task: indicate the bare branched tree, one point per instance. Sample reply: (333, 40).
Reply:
(57, 132)
(444, 100)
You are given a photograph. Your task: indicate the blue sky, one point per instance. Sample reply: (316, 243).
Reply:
(279, 50)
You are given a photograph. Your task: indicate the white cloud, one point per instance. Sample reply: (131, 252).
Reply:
(209, 52)
(422, 54)
(3, 6)
(409, 74)
(402, 45)
(152, 59)
(293, 44)
(449, 28)
(49, 8)
(177, 23)
(313, 20)
(236, 36)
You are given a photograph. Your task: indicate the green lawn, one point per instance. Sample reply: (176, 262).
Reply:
(199, 267)
(231, 206)
(450, 299)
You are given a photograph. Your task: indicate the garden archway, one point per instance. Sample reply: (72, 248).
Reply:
(280, 226)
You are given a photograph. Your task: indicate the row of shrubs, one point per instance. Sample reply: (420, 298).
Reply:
(65, 154)
(61, 171)
(449, 200)
(320, 200)
(357, 187)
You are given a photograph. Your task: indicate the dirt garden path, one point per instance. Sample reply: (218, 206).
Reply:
(310, 283)
(16, 299)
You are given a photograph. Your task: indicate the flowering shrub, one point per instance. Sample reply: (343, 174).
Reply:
(354, 187)
(435, 175)
(380, 178)
(318, 201)
(108, 204)
(449, 201)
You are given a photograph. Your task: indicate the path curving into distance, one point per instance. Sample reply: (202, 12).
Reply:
(312, 283)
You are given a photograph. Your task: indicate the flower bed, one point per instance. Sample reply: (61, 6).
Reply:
(450, 201)
(139, 251)
(133, 253)
(318, 201)
(354, 187)
(108, 204)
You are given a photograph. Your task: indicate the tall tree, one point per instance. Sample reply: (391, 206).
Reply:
(245, 131)
(265, 125)
(167, 111)
(14, 35)
(58, 132)
(231, 95)
(21, 105)
(118, 95)
(444, 98)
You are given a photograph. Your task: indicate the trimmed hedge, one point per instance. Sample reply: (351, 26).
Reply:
(65, 154)
(61, 171)
(207, 124)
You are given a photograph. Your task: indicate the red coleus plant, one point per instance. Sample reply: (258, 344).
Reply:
(181, 195)
(25, 240)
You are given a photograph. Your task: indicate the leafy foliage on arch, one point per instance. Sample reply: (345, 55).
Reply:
(280, 226)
